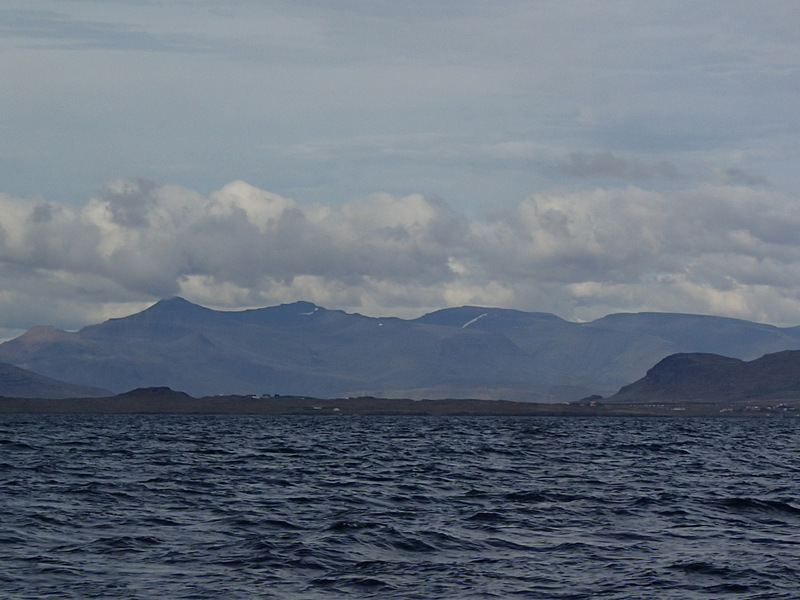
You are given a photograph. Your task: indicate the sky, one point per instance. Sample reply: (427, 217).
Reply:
(392, 158)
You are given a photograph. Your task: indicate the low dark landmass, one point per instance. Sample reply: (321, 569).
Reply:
(166, 401)
(687, 384)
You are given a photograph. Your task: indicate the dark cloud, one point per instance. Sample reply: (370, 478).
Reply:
(740, 177)
(42, 213)
(129, 202)
(46, 28)
(604, 164)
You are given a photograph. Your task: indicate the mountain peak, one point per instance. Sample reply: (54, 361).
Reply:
(303, 307)
(175, 306)
(174, 302)
(36, 337)
(468, 316)
(42, 333)
(170, 310)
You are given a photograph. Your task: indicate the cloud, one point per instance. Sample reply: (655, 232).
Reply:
(735, 176)
(721, 249)
(45, 28)
(606, 164)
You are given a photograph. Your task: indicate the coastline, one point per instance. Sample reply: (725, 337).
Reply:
(169, 402)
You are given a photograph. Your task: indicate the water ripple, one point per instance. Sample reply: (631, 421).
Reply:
(322, 507)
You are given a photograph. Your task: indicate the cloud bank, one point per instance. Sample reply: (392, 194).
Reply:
(714, 248)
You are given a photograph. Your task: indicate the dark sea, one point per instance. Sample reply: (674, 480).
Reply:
(244, 507)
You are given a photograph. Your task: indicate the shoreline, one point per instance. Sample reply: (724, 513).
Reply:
(149, 402)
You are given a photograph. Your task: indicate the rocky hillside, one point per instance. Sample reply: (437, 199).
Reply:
(714, 378)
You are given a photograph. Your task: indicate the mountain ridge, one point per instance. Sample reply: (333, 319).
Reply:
(301, 348)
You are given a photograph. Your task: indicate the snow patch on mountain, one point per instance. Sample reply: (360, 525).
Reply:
(471, 321)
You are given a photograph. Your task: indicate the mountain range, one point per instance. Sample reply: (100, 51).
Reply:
(305, 349)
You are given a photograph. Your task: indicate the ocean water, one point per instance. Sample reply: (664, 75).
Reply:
(249, 507)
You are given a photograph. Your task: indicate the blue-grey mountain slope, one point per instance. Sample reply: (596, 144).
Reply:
(304, 349)
(21, 383)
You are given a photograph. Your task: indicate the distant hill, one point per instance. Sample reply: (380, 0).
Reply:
(306, 350)
(20, 383)
(713, 378)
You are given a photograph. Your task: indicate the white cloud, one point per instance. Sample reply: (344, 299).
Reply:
(713, 249)
(589, 160)
(263, 209)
